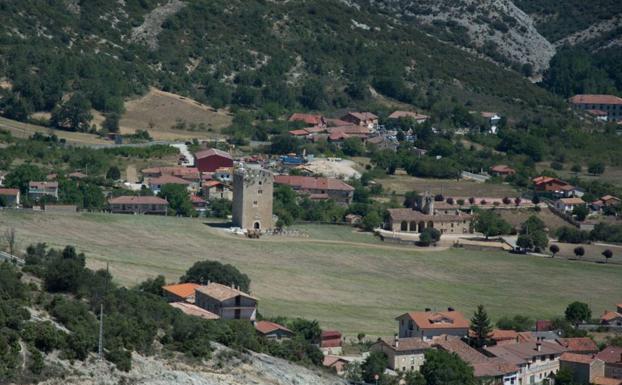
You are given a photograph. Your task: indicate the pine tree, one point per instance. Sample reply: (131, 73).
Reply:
(481, 326)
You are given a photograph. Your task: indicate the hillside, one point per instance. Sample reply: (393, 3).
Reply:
(277, 56)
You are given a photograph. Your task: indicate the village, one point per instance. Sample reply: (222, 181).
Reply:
(243, 187)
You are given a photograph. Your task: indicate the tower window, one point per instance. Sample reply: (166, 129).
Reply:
(254, 203)
(259, 191)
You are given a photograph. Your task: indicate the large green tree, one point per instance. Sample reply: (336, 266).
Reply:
(214, 271)
(73, 115)
(444, 368)
(374, 365)
(480, 326)
(578, 312)
(178, 199)
(491, 224)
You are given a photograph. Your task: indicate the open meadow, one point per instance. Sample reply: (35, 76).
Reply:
(345, 279)
(402, 184)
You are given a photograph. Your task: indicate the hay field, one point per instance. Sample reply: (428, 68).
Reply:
(345, 279)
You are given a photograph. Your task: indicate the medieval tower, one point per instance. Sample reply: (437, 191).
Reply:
(252, 198)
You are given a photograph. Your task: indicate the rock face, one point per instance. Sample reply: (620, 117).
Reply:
(147, 32)
(496, 28)
(225, 368)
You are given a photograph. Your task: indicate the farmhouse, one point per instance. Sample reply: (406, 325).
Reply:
(332, 188)
(364, 119)
(497, 370)
(330, 342)
(212, 159)
(404, 354)
(37, 190)
(537, 361)
(612, 356)
(429, 324)
(190, 174)
(450, 220)
(273, 331)
(610, 104)
(612, 317)
(418, 118)
(568, 204)
(155, 184)
(605, 201)
(10, 196)
(228, 302)
(502, 170)
(213, 189)
(584, 368)
(180, 292)
(309, 119)
(138, 205)
(338, 364)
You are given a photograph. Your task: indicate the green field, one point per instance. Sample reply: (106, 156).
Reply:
(345, 279)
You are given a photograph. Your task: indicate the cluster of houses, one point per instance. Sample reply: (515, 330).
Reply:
(606, 108)
(36, 191)
(511, 358)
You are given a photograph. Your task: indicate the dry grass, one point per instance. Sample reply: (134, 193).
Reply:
(517, 217)
(345, 279)
(448, 187)
(158, 111)
(612, 174)
(25, 130)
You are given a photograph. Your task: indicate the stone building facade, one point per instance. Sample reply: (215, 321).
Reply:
(252, 198)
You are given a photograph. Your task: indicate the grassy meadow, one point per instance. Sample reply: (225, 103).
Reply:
(345, 279)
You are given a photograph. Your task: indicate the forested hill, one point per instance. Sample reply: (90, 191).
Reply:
(281, 55)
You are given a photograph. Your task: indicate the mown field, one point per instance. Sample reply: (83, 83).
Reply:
(402, 184)
(345, 279)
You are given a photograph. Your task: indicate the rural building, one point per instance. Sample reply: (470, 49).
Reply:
(404, 354)
(567, 205)
(605, 201)
(198, 203)
(612, 317)
(353, 219)
(363, 119)
(180, 292)
(212, 159)
(429, 324)
(194, 310)
(223, 174)
(609, 104)
(579, 345)
(330, 342)
(543, 325)
(495, 370)
(273, 331)
(612, 357)
(447, 221)
(330, 188)
(213, 189)
(537, 361)
(138, 205)
(418, 118)
(501, 336)
(308, 119)
(550, 185)
(336, 363)
(607, 381)
(155, 184)
(191, 174)
(584, 368)
(502, 170)
(37, 189)
(9, 197)
(493, 119)
(252, 198)
(227, 302)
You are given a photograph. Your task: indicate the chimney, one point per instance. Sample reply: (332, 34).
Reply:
(397, 341)
(539, 346)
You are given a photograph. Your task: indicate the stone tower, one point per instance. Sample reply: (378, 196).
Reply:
(426, 203)
(252, 198)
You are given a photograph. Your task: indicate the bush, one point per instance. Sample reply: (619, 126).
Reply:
(121, 358)
(572, 235)
(202, 272)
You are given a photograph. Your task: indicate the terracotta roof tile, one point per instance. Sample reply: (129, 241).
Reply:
(265, 327)
(578, 344)
(182, 290)
(138, 200)
(438, 320)
(9, 191)
(167, 179)
(193, 310)
(312, 183)
(578, 358)
(212, 152)
(611, 354)
(595, 99)
(221, 292)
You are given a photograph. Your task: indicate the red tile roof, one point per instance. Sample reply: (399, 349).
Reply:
(609, 315)
(362, 115)
(595, 99)
(312, 183)
(611, 354)
(167, 179)
(211, 183)
(338, 135)
(42, 185)
(222, 292)
(598, 380)
(502, 168)
(9, 191)
(332, 360)
(298, 133)
(212, 152)
(306, 118)
(408, 114)
(578, 358)
(182, 290)
(405, 344)
(438, 319)
(197, 199)
(266, 327)
(138, 200)
(579, 344)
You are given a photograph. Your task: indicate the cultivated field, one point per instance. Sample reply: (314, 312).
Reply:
(159, 111)
(25, 130)
(345, 279)
(401, 184)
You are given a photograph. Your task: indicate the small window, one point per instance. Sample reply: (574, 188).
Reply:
(260, 183)
(254, 203)
(259, 191)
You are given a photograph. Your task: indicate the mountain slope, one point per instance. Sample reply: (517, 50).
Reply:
(283, 54)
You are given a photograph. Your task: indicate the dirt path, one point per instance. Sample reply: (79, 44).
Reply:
(131, 175)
